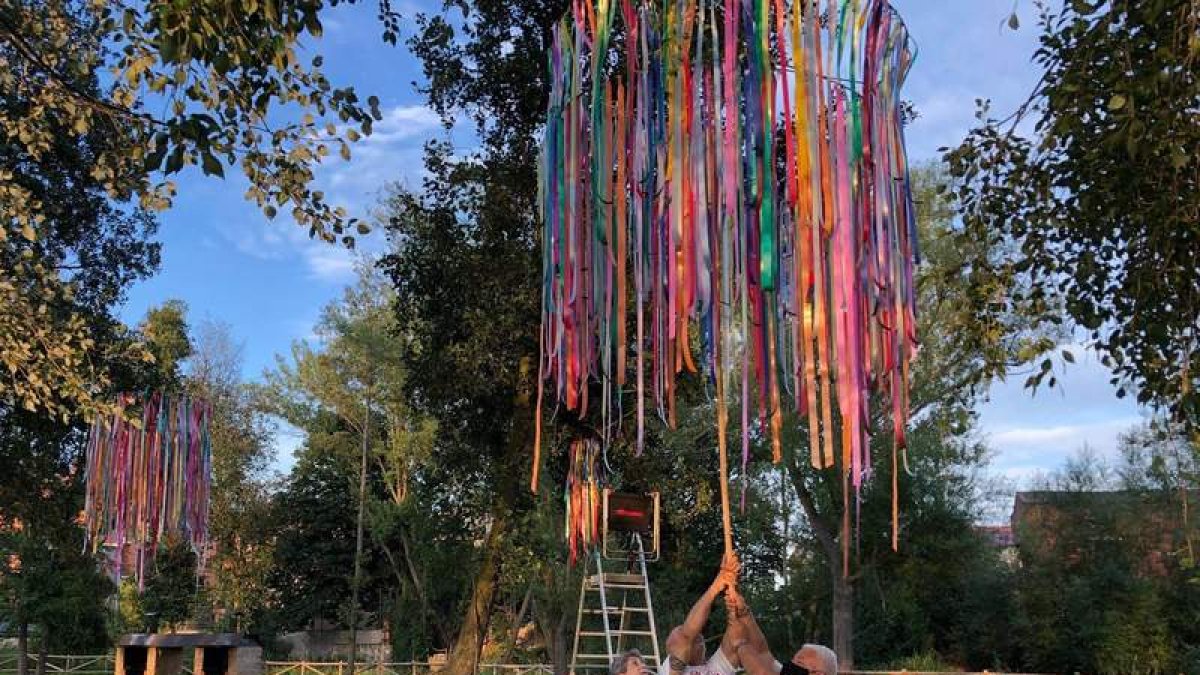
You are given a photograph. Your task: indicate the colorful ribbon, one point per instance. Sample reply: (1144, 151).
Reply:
(149, 481)
(743, 163)
(583, 495)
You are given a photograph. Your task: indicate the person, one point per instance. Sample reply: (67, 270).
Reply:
(754, 654)
(629, 663)
(685, 644)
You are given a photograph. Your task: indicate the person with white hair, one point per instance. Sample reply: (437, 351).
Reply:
(755, 655)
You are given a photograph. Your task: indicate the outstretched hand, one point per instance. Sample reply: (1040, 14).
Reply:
(735, 604)
(727, 577)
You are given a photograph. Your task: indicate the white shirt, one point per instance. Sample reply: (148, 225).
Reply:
(718, 664)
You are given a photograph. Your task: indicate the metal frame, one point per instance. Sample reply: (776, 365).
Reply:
(617, 553)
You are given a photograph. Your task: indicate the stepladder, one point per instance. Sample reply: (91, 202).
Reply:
(616, 613)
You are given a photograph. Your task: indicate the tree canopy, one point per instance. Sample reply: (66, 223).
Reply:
(1089, 192)
(100, 104)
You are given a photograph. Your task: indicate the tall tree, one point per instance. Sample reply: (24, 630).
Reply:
(959, 356)
(166, 330)
(206, 84)
(354, 380)
(1097, 209)
(466, 263)
(240, 539)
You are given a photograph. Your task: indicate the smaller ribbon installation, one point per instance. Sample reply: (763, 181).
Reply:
(584, 496)
(149, 481)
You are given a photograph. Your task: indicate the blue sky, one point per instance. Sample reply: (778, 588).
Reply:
(268, 281)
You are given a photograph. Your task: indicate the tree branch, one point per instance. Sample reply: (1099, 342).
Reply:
(13, 38)
(820, 526)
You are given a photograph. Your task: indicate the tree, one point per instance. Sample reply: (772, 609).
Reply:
(1097, 210)
(314, 521)
(172, 586)
(1109, 585)
(166, 331)
(207, 84)
(467, 295)
(959, 356)
(466, 266)
(48, 581)
(67, 251)
(239, 512)
(465, 239)
(355, 377)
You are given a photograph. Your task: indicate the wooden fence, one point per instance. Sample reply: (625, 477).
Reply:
(93, 664)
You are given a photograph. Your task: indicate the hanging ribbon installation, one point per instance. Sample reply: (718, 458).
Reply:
(724, 188)
(149, 481)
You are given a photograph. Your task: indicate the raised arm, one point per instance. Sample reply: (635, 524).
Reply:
(740, 611)
(681, 643)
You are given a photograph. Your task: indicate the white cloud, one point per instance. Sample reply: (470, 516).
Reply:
(329, 262)
(1034, 434)
(1024, 453)
(392, 153)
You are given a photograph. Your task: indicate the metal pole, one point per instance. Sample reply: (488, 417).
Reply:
(358, 539)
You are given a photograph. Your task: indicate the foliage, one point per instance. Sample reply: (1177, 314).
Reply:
(465, 268)
(959, 357)
(217, 72)
(83, 164)
(314, 547)
(130, 617)
(1106, 585)
(166, 332)
(1095, 215)
(171, 587)
(355, 371)
(240, 537)
(67, 251)
(46, 580)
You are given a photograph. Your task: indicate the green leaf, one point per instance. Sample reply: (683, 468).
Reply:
(1117, 102)
(175, 161)
(154, 159)
(364, 228)
(211, 165)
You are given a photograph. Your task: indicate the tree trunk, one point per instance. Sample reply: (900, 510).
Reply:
(464, 657)
(843, 588)
(560, 651)
(843, 617)
(43, 650)
(437, 621)
(22, 647)
(520, 618)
